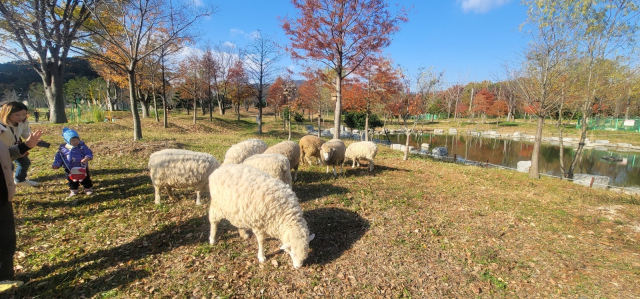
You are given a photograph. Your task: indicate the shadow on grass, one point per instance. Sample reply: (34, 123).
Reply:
(95, 173)
(94, 266)
(336, 231)
(105, 190)
(311, 192)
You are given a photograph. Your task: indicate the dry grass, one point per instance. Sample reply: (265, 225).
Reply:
(410, 229)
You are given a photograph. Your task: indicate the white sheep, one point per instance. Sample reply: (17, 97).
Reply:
(276, 165)
(333, 154)
(251, 199)
(310, 147)
(291, 150)
(245, 149)
(361, 150)
(175, 168)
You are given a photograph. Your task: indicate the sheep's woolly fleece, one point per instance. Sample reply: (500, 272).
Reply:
(310, 147)
(245, 149)
(176, 168)
(251, 199)
(336, 150)
(289, 149)
(361, 150)
(276, 165)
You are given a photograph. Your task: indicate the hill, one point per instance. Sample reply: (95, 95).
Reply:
(19, 75)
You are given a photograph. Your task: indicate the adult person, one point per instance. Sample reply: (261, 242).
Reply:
(7, 191)
(13, 128)
(36, 115)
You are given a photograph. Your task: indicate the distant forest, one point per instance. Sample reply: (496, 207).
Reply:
(19, 76)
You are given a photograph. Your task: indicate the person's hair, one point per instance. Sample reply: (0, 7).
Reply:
(11, 107)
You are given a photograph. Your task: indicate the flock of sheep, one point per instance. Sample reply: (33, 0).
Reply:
(252, 188)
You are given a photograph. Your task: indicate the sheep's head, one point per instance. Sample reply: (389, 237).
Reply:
(298, 249)
(327, 153)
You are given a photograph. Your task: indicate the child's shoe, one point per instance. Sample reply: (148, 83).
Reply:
(73, 192)
(88, 191)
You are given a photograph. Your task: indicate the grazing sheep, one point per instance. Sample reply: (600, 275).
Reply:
(333, 154)
(251, 199)
(245, 149)
(291, 150)
(175, 168)
(310, 147)
(361, 150)
(276, 165)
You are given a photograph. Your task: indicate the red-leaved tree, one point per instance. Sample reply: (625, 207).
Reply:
(340, 34)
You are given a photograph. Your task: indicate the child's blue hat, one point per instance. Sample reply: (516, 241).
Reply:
(67, 134)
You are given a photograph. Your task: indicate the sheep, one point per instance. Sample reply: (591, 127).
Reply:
(240, 151)
(310, 147)
(175, 168)
(333, 154)
(251, 199)
(276, 165)
(291, 150)
(361, 150)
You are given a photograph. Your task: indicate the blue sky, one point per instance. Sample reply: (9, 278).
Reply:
(468, 39)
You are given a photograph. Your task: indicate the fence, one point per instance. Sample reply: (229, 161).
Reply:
(612, 124)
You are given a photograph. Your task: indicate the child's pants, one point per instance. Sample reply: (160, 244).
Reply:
(86, 183)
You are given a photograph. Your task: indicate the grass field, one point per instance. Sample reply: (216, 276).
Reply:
(410, 229)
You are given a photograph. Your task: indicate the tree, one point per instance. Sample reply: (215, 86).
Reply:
(341, 34)
(378, 75)
(261, 58)
(275, 96)
(134, 30)
(239, 89)
(483, 101)
(314, 94)
(44, 32)
(538, 80)
(190, 81)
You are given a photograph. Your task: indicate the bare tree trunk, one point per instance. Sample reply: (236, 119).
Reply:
(137, 129)
(366, 127)
(155, 104)
(195, 109)
(54, 93)
(164, 98)
(338, 111)
(535, 156)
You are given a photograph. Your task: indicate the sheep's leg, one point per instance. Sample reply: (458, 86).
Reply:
(334, 170)
(244, 233)
(357, 162)
(328, 169)
(198, 197)
(170, 192)
(214, 230)
(260, 237)
(341, 169)
(157, 191)
(307, 159)
(295, 174)
(370, 165)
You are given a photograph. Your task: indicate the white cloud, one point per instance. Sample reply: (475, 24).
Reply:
(481, 6)
(230, 45)
(255, 34)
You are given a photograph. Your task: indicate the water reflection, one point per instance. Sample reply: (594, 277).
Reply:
(623, 171)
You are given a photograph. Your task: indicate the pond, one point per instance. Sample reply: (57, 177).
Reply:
(507, 152)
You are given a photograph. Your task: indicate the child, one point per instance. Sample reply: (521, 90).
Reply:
(13, 127)
(72, 154)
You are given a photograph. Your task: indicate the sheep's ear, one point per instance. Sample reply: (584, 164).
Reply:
(311, 237)
(285, 247)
